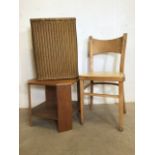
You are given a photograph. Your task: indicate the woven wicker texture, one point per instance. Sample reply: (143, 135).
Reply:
(55, 48)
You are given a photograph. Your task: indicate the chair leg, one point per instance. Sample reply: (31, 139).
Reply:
(81, 101)
(91, 97)
(124, 105)
(121, 100)
(30, 109)
(78, 96)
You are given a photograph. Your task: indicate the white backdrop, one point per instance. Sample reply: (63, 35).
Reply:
(100, 18)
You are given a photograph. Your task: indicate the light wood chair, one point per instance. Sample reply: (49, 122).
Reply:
(99, 47)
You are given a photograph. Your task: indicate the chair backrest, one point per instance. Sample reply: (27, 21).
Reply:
(55, 48)
(117, 45)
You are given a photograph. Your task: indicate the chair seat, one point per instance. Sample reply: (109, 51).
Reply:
(103, 76)
(52, 82)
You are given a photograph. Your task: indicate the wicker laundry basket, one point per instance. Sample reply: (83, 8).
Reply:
(55, 48)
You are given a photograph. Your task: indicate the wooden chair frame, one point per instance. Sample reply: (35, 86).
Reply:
(117, 45)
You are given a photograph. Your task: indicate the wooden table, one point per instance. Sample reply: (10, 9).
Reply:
(58, 103)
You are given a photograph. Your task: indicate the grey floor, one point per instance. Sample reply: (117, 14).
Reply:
(98, 136)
